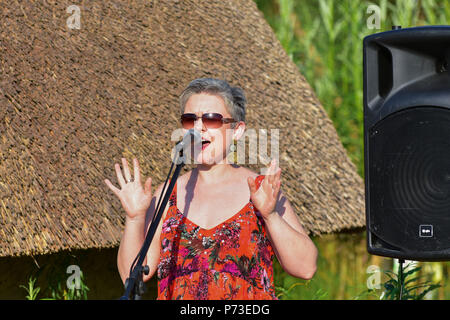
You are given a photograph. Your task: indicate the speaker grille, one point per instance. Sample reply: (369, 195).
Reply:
(409, 178)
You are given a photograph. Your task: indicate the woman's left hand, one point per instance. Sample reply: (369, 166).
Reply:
(265, 198)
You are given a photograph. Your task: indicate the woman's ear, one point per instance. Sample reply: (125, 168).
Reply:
(239, 130)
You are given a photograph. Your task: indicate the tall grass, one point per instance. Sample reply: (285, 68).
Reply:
(324, 39)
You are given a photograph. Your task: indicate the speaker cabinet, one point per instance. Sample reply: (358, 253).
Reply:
(407, 143)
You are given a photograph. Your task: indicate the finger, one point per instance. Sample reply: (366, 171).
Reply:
(277, 175)
(126, 169)
(273, 181)
(276, 190)
(265, 182)
(137, 170)
(272, 170)
(270, 175)
(148, 186)
(112, 187)
(276, 178)
(251, 185)
(119, 175)
(268, 190)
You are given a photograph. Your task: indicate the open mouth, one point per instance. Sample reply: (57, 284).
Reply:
(205, 144)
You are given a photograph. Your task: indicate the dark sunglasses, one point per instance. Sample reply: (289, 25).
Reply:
(210, 120)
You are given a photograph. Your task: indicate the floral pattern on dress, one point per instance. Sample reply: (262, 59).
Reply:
(233, 260)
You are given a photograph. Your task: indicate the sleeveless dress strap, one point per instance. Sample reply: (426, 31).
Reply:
(258, 180)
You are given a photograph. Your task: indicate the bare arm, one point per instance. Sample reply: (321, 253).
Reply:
(295, 251)
(130, 244)
(139, 206)
(133, 238)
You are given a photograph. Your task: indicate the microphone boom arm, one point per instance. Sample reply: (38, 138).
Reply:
(134, 285)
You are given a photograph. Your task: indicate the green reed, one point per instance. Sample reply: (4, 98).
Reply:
(324, 39)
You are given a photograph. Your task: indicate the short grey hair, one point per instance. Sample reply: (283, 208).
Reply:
(233, 97)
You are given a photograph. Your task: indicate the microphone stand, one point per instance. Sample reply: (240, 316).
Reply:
(134, 285)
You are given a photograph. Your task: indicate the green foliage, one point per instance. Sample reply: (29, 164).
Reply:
(31, 289)
(78, 294)
(410, 286)
(53, 279)
(288, 294)
(324, 39)
(58, 291)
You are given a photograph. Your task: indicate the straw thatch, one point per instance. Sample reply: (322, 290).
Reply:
(73, 102)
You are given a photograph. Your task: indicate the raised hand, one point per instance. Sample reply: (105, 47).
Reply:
(265, 198)
(135, 199)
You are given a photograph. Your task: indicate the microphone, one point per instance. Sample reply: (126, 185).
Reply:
(191, 138)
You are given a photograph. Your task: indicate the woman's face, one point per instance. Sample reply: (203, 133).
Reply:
(216, 141)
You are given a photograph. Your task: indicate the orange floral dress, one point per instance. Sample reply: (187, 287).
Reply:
(233, 260)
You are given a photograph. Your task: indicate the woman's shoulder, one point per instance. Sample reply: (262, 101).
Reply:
(247, 173)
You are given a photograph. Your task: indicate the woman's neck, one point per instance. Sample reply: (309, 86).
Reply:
(212, 174)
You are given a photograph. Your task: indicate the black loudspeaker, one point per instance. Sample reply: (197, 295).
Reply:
(407, 143)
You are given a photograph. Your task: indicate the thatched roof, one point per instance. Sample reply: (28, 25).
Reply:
(73, 102)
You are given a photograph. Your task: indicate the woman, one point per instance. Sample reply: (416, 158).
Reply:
(223, 223)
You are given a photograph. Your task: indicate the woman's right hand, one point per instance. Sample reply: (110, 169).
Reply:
(135, 199)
